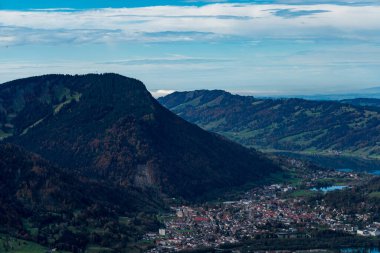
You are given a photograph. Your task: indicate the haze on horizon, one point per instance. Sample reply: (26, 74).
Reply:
(272, 47)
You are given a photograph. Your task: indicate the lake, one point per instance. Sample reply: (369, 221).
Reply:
(329, 188)
(345, 170)
(374, 172)
(360, 250)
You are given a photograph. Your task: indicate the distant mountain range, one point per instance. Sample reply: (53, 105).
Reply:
(356, 94)
(295, 125)
(368, 102)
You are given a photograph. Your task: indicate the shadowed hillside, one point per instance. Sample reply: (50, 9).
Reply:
(42, 203)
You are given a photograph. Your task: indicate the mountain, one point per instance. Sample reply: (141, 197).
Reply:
(296, 125)
(368, 102)
(31, 184)
(370, 93)
(109, 128)
(43, 203)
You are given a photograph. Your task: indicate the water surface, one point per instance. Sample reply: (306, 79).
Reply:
(360, 250)
(329, 188)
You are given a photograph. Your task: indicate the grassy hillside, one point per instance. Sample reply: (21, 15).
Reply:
(14, 245)
(296, 125)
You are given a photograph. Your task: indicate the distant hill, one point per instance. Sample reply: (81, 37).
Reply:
(371, 93)
(111, 129)
(368, 102)
(296, 125)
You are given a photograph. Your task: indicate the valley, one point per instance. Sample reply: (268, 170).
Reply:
(93, 163)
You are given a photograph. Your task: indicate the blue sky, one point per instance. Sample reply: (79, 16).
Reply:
(274, 47)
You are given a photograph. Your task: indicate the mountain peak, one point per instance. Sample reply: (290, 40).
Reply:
(110, 128)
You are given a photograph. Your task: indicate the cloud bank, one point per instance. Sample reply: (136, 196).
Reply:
(212, 22)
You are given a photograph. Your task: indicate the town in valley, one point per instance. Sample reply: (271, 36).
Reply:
(282, 211)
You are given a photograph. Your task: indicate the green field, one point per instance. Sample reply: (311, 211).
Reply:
(13, 245)
(10, 244)
(302, 193)
(97, 249)
(374, 195)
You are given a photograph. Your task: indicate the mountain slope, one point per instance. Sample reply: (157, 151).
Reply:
(35, 184)
(282, 124)
(41, 202)
(29, 183)
(110, 128)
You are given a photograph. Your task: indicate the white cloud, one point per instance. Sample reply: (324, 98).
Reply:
(172, 59)
(250, 92)
(213, 22)
(281, 47)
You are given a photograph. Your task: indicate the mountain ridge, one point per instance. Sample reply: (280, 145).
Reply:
(367, 102)
(282, 124)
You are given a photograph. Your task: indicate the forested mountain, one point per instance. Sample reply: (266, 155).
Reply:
(111, 129)
(43, 203)
(297, 125)
(109, 158)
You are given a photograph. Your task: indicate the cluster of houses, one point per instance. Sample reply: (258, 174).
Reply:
(370, 230)
(264, 212)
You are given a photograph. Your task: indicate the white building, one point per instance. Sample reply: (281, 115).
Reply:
(179, 213)
(362, 232)
(162, 232)
(374, 232)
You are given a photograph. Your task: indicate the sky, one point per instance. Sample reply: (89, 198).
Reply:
(262, 47)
